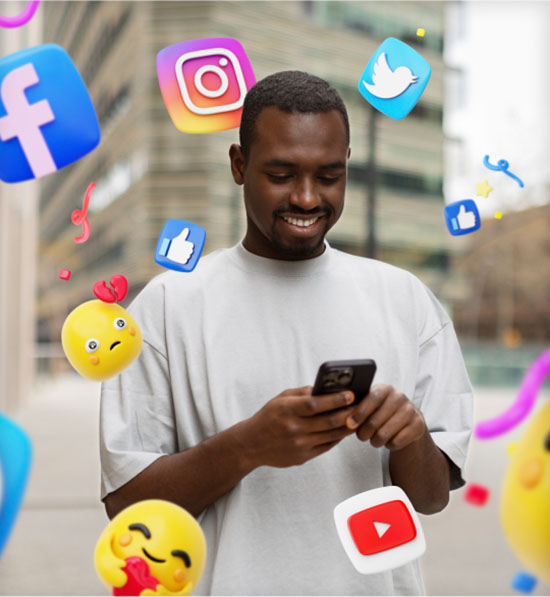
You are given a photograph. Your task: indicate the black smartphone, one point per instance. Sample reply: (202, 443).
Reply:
(354, 375)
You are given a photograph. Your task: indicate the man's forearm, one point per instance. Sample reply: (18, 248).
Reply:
(422, 471)
(194, 478)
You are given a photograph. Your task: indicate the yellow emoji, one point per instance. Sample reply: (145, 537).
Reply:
(525, 503)
(153, 547)
(100, 339)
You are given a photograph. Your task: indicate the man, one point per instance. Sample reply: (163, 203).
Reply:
(217, 414)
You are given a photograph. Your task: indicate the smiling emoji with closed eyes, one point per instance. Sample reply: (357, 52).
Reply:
(153, 547)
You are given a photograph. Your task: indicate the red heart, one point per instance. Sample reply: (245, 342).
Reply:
(139, 578)
(103, 293)
(119, 284)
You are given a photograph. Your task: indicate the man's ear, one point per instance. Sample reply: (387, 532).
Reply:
(349, 152)
(237, 163)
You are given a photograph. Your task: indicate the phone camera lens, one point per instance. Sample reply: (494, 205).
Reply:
(344, 378)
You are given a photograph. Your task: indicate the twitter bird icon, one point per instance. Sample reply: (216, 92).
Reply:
(387, 82)
(394, 78)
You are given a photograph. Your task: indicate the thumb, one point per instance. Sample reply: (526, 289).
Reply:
(183, 234)
(462, 209)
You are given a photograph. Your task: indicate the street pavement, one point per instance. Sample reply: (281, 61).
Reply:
(50, 551)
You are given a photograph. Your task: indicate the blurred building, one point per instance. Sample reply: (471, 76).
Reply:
(508, 265)
(501, 269)
(18, 233)
(147, 171)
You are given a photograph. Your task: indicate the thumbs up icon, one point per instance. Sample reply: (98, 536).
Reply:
(466, 219)
(180, 245)
(180, 248)
(462, 217)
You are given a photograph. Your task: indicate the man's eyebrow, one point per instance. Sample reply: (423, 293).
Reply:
(276, 162)
(182, 554)
(285, 164)
(333, 166)
(137, 526)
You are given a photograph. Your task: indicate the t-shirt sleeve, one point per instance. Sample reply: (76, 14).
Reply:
(444, 395)
(137, 423)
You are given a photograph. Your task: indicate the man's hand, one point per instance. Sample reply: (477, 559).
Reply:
(387, 418)
(295, 427)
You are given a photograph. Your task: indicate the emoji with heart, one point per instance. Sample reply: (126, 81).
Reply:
(153, 547)
(100, 338)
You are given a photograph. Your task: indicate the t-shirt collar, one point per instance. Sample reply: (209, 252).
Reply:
(280, 267)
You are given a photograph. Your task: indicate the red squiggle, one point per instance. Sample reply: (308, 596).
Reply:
(79, 216)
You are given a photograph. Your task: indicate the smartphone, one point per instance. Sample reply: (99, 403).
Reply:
(354, 375)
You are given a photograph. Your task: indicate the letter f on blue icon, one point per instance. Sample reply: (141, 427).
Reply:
(47, 119)
(15, 464)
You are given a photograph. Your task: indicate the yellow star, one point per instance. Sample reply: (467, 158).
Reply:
(420, 32)
(483, 189)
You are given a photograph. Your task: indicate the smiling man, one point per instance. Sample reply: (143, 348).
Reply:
(217, 413)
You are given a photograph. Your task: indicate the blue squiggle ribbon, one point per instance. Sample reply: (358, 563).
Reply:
(502, 166)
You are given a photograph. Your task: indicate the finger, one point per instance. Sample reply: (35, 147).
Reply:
(308, 406)
(373, 400)
(330, 420)
(384, 413)
(403, 438)
(409, 418)
(386, 432)
(325, 437)
(321, 449)
(301, 391)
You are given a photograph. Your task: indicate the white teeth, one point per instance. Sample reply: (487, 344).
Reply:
(301, 223)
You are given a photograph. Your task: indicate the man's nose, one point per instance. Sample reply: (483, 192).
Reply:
(305, 194)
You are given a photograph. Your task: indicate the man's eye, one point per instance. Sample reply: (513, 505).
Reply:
(329, 179)
(279, 177)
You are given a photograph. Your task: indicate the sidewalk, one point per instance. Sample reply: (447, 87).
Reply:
(51, 548)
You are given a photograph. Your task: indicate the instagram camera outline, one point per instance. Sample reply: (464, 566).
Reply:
(183, 87)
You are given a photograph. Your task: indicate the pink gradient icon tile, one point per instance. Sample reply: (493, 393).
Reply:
(203, 83)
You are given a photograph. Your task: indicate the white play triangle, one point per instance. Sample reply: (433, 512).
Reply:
(381, 527)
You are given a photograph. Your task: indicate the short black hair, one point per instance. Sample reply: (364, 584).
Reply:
(290, 91)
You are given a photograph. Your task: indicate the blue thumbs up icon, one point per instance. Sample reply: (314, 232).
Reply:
(462, 217)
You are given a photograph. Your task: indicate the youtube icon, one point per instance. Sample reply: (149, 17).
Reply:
(379, 529)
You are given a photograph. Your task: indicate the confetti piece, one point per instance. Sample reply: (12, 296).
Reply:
(65, 274)
(79, 216)
(483, 189)
(420, 32)
(523, 582)
(516, 412)
(477, 495)
(21, 19)
(498, 215)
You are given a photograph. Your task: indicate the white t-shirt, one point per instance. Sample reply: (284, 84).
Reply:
(222, 341)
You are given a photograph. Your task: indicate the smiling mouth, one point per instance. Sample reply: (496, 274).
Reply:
(301, 222)
(148, 555)
(114, 344)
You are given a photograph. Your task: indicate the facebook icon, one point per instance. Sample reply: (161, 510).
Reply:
(47, 119)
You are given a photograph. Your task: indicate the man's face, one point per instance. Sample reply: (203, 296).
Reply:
(294, 182)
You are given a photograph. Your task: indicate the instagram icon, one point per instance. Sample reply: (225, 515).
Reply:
(203, 83)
